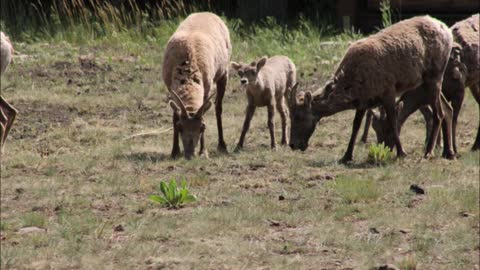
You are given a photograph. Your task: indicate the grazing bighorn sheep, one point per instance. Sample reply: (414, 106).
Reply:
(463, 70)
(267, 83)
(7, 111)
(196, 57)
(452, 90)
(374, 71)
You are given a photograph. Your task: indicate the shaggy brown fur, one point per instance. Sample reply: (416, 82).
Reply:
(7, 111)
(462, 71)
(267, 83)
(374, 71)
(196, 57)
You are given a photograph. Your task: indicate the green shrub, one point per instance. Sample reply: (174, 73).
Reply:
(171, 195)
(379, 154)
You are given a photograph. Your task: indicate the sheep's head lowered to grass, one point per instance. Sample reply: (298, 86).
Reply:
(191, 125)
(302, 119)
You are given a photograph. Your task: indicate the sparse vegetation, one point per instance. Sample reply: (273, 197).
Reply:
(171, 195)
(68, 169)
(379, 154)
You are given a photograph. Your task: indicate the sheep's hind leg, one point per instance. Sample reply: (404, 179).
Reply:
(271, 124)
(283, 111)
(221, 87)
(176, 146)
(357, 122)
(447, 133)
(434, 89)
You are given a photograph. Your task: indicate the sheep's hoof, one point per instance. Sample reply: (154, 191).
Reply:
(429, 155)
(345, 160)
(175, 155)
(401, 155)
(449, 155)
(204, 154)
(222, 148)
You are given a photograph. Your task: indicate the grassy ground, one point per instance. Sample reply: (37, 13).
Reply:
(68, 168)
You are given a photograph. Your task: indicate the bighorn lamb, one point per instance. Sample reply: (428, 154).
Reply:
(196, 57)
(373, 72)
(7, 111)
(407, 105)
(267, 83)
(463, 70)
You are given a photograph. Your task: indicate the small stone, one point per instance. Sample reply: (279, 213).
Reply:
(118, 228)
(281, 198)
(417, 190)
(273, 223)
(30, 230)
(386, 267)
(373, 230)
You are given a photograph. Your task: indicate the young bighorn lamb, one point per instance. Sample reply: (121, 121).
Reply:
(267, 83)
(374, 71)
(408, 104)
(195, 58)
(7, 111)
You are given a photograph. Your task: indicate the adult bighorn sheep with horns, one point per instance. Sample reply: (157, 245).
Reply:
(374, 71)
(7, 111)
(196, 57)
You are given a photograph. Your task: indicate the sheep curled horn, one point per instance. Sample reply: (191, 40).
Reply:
(177, 102)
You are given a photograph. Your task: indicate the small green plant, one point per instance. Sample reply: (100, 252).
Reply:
(171, 195)
(386, 12)
(379, 154)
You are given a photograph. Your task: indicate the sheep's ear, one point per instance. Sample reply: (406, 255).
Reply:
(203, 109)
(261, 62)
(375, 114)
(308, 99)
(235, 65)
(399, 108)
(174, 107)
(456, 73)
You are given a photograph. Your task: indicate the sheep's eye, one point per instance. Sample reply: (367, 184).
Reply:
(251, 72)
(240, 73)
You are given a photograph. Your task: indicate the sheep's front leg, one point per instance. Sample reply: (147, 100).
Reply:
(250, 111)
(203, 151)
(389, 105)
(8, 117)
(283, 110)
(357, 122)
(368, 123)
(271, 124)
(176, 146)
(447, 130)
(475, 89)
(221, 87)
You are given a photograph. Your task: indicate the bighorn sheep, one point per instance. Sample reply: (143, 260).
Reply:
(7, 111)
(374, 71)
(463, 70)
(196, 57)
(267, 83)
